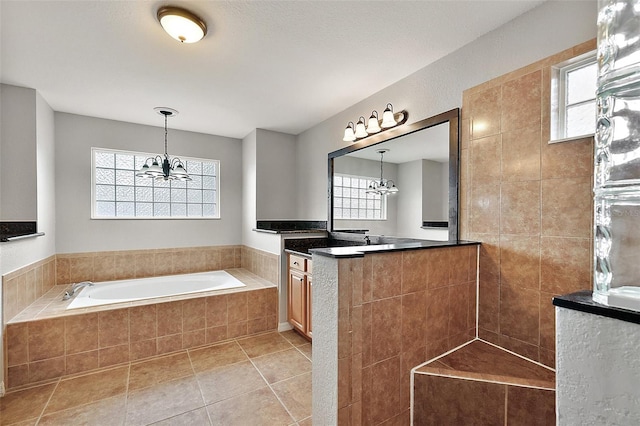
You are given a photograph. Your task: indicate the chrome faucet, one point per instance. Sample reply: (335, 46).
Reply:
(75, 288)
(367, 240)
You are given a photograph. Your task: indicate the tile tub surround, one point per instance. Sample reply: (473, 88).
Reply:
(481, 383)
(46, 341)
(528, 202)
(395, 310)
(24, 286)
(263, 379)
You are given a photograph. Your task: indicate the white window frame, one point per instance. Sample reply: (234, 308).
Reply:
(383, 199)
(559, 102)
(147, 155)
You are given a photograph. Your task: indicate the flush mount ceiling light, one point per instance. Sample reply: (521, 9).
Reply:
(374, 124)
(171, 169)
(384, 186)
(181, 24)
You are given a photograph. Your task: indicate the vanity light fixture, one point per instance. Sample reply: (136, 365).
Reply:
(181, 24)
(171, 169)
(384, 186)
(374, 124)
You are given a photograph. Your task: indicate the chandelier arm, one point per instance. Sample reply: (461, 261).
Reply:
(165, 136)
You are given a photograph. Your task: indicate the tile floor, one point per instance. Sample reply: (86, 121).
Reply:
(257, 380)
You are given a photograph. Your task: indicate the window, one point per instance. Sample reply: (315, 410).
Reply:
(576, 97)
(118, 193)
(351, 201)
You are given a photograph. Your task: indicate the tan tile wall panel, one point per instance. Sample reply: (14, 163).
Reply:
(528, 202)
(24, 286)
(396, 311)
(42, 350)
(261, 263)
(117, 265)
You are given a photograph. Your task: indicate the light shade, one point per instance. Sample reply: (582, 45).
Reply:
(181, 24)
(349, 136)
(387, 117)
(372, 125)
(361, 131)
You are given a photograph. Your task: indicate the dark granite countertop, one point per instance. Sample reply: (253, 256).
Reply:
(360, 250)
(582, 301)
(290, 226)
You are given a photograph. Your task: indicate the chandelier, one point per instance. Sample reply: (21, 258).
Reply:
(164, 168)
(384, 186)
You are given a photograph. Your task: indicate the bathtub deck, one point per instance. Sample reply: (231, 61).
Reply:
(51, 305)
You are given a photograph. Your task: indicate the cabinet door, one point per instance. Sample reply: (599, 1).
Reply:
(297, 301)
(309, 294)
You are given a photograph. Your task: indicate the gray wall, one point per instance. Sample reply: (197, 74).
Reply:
(541, 32)
(77, 232)
(40, 133)
(18, 166)
(275, 175)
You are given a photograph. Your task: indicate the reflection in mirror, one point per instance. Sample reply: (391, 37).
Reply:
(418, 162)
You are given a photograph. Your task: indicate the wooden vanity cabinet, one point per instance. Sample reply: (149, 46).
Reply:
(299, 298)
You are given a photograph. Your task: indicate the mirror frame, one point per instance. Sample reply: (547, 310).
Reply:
(453, 118)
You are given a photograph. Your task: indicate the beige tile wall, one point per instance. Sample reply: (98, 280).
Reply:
(117, 265)
(261, 263)
(528, 202)
(22, 287)
(395, 311)
(45, 349)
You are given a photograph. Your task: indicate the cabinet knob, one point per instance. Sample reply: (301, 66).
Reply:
(295, 263)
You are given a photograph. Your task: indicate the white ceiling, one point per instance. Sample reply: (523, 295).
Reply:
(278, 65)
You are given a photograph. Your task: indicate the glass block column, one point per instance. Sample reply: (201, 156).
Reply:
(617, 153)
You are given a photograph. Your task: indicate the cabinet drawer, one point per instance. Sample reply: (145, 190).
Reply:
(297, 262)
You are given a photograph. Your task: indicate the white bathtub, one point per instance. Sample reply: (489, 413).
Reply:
(107, 292)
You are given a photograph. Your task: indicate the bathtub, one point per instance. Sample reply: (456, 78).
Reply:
(108, 292)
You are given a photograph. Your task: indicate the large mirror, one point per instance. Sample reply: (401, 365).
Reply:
(400, 183)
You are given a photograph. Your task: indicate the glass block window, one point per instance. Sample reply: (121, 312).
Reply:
(577, 98)
(351, 201)
(118, 193)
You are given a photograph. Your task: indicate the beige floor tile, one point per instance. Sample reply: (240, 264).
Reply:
(24, 405)
(264, 344)
(282, 365)
(229, 381)
(163, 401)
(294, 338)
(108, 411)
(89, 388)
(258, 408)
(216, 356)
(306, 350)
(158, 370)
(198, 417)
(295, 394)
(31, 422)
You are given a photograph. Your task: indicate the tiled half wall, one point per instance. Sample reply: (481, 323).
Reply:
(395, 311)
(45, 349)
(22, 287)
(528, 202)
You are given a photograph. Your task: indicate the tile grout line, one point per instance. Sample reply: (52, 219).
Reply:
(48, 401)
(269, 384)
(195, 375)
(126, 394)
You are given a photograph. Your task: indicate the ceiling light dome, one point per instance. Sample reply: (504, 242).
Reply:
(181, 24)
